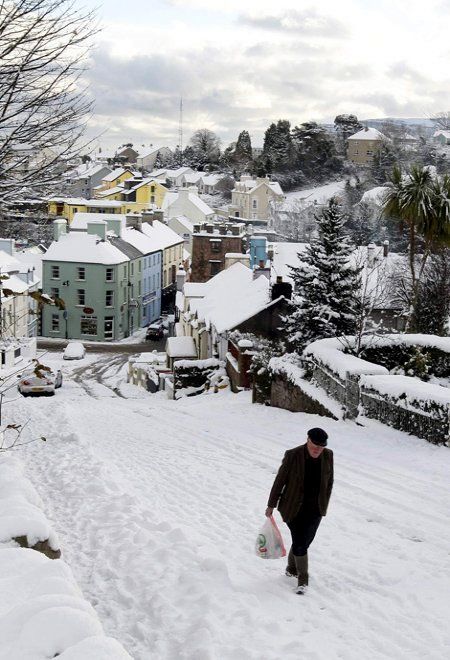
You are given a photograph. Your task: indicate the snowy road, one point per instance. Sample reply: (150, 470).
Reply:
(158, 504)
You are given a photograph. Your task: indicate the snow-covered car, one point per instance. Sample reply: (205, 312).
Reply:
(155, 331)
(45, 383)
(74, 351)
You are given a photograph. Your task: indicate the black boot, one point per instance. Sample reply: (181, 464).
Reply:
(301, 563)
(291, 568)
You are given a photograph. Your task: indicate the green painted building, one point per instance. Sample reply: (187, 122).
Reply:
(98, 282)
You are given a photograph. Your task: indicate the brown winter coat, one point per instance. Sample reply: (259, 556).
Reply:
(287, 489)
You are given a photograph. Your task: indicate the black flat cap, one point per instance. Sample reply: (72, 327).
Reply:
(318, 437)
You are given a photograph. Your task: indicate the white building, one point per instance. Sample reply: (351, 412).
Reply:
(19, 317)
(187, 202)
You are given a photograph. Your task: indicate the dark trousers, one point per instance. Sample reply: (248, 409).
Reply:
(303, 530)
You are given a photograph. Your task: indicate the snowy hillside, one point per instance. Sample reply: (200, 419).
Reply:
(158, 503)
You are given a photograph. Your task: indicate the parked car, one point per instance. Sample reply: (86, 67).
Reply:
(155, 331)
(47, 383)
(74, 351)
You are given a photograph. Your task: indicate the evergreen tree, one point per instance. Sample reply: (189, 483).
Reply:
(243, 150)
(277, 147)
(326, 284)
(345, 126)
(315, 151)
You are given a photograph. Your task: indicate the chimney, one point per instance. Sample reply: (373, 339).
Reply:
(134, 220)
(59, 228)
(281, 288)
(385, 248)
(371, 254)
(97, 228)
(236, 230)
(196, 228)
(181, 278)
(7, 245)
(115, 225)
(158, 214)
(148, 216)
(209, 228)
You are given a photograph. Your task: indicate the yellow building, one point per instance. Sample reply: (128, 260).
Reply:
(363, 145)
(115, 178)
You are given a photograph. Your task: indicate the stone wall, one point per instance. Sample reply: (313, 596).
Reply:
(434, 429)
(290, 396)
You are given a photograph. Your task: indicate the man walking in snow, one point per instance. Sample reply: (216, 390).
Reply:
(301, 492)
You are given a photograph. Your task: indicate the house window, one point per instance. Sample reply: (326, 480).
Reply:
(55, 322)
(81, 297)
(132, 268)
(214, 267)
(54, 292)
(216, 246)
(369, 153)
(152, 189)
(88, 325)
(254, 203)
(81, 273)
(109, 275)
(55, 272)
(139, 288)
(109, 299)
(125, 293)
(152, 199)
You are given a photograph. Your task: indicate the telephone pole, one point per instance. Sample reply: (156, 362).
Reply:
(180, 132)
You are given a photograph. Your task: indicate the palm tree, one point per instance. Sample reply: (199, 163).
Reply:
(422, 204)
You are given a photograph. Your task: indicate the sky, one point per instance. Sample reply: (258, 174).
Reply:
(243, 64)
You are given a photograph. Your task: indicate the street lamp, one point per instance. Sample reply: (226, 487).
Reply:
(65, 315)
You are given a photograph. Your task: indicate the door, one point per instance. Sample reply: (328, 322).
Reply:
(109, 327)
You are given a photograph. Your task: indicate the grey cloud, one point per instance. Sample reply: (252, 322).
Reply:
(405, 72)
(308, 23)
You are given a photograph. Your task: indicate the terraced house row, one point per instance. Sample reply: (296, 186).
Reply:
(114, 273)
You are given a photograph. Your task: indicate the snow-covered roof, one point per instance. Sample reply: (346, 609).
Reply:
(172, 198)
(80, 247)
(109, 191)
(81, 219)
(231, 297)
(194, 289)
(103, 203)
(163, 236)
(90, 171)
(368, 134)
(446, 134)
(184, 222)
(179, 347)
(285, 255)
(142, 242)
(194, 177)
(211, 179)
(116, 173)
(173, 174)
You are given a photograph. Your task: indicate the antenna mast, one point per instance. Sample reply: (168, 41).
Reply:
(180, 131)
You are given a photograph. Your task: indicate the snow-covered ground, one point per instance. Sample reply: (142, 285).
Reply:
(319, 194)
(157, 505)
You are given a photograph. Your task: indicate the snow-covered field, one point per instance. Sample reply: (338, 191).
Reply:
(319, 194)
(157, 505)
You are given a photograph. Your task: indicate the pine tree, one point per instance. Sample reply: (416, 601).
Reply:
(326, 284)
(243, 150)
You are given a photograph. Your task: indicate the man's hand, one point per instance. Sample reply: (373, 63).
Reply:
(269, 511)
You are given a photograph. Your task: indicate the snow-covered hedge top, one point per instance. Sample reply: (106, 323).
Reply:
(425, 341)
(410, 389)
(288, 365)
(329, 352)
(44, 615)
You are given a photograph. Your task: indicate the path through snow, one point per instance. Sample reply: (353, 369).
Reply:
(158, 503)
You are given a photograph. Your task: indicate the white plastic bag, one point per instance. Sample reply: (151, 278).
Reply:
(269, 544)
